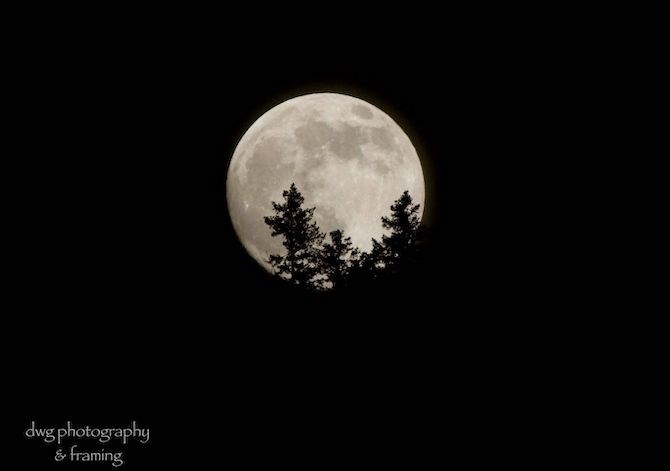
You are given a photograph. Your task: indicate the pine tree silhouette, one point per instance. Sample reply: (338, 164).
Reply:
(302, 239)
(310, 262)
(398, 246)
(338, 258)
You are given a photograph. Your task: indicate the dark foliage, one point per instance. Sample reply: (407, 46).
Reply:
(338, 258)
(302, 239)
(311, 262)
(398, 246)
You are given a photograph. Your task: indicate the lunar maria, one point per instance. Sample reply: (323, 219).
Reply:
(349, 159)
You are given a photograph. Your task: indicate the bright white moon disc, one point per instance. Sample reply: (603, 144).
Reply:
(348, 158)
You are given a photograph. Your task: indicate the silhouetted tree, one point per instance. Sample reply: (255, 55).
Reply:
(337, 259)
(396, 247)
(309, 262)
(302, 239)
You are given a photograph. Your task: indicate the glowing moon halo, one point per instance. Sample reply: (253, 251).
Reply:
(348, 158)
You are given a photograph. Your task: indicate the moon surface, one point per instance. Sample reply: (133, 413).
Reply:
(348, 158)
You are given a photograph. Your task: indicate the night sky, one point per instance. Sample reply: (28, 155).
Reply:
(530, 333)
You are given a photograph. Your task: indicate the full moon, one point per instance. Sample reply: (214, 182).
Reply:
(348, 158)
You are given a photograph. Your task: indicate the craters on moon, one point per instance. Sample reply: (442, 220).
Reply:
(362, 111)
(348, 158)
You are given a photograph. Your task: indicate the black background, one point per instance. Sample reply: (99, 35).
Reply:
(533, 334)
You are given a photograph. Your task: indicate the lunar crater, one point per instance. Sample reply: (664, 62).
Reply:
(362, 111)
(348, 158)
